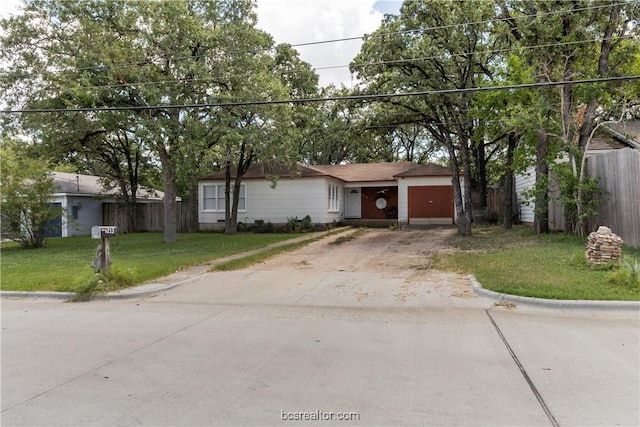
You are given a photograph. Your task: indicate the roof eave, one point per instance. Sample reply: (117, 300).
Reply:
(623, 137)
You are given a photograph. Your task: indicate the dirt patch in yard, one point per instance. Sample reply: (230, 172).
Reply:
(404, 253)
(378, 250)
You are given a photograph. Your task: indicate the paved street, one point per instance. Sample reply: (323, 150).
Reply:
(363, 330)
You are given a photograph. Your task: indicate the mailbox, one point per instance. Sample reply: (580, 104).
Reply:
(102, 231)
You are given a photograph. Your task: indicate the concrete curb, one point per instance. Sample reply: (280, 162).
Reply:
(154, 288)
(37, 295)
(555, 304)
(134, 292)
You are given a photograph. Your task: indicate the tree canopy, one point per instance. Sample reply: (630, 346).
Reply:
(169, 55)
(145, 98)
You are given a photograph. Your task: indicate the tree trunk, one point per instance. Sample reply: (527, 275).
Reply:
(229, 227)
(244, 161)
(133, 165)
(192, 208)
(481, 170)
(169, 201)
(131, 209)
(509, 208)
(236, 199)
(541, 220)
(603, 70)
(465, 226)
(462, 215)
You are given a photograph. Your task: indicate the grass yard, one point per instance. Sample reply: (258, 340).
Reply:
(520, 262)
(64, 264)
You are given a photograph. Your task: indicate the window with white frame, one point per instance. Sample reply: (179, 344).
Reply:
(213, 197)
(332, 197)
(209, 197)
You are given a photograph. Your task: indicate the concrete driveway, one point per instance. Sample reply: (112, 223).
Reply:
(358, 333)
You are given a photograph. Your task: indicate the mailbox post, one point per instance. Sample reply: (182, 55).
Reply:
(102, 262)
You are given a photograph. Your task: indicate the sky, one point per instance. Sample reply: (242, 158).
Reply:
(303, 21)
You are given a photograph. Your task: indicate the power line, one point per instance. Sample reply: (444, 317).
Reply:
(486, 21)
(426, 58)
(448, 26)
(371, 97)
(394, 61)
(337, 40)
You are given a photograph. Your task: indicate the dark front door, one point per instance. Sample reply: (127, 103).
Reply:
(53, 228)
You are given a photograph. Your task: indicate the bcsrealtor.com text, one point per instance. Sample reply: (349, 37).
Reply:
(319, 416)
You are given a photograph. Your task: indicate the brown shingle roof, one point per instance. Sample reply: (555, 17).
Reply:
(366, 172)
(429, 169)
(263, 170)
(352, 172)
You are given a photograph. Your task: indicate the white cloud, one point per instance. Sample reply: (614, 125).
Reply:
(303, 21)
(9, 7)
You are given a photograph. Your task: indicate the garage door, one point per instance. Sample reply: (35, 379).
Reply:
(431, 202)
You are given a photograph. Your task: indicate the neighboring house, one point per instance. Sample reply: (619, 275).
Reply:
(627, 133)
(398, 191)
(81, 197)
(614, 137)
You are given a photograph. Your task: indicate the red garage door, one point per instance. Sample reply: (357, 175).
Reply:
(431, 201)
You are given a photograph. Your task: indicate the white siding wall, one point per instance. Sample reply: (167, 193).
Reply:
(296, 197)
(403, 191)
(89, 214)
(525, 182)
(369, 184)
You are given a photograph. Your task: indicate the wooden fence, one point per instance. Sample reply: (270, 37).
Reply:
(619, 173)
(496, 202)
(149, 217)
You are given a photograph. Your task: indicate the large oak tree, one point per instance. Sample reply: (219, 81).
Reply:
(430, 47)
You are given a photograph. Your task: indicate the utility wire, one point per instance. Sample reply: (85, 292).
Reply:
(320, 42)
(448, 26)
(358, 66)
(493, 51)
(371, 97)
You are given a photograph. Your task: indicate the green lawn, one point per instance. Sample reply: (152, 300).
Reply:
(64, 264)
(521, 263)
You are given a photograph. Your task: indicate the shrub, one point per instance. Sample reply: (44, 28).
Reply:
(626, 273)
(112, 280)
(578, 259)
(27, 209)
(262, 227)
(292, 224)
(321, 227)
(306, 223)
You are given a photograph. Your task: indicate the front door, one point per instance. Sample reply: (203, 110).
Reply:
(53, 227)
(353, 209)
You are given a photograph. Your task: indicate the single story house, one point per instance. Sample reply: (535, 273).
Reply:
(81, 198)
(402, 192)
